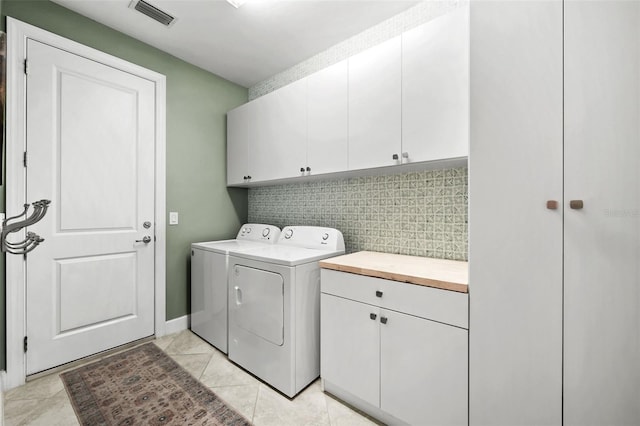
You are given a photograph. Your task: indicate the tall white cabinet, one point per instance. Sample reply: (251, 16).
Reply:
(602, 240)
(554, 202)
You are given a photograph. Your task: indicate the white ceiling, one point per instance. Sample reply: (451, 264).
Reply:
(249, 44)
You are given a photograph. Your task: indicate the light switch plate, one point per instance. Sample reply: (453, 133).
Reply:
(173, 218)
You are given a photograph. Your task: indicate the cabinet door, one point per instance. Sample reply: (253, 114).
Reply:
(423, 370)
(349, 342)
(327, 119)
(239, 121)
(435, 89)
(602, 240)
(515, 266)
(374, 106)
(280, 143)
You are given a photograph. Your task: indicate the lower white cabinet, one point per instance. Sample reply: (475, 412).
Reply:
(398, 367)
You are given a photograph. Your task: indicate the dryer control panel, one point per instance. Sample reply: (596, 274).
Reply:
(259, 232)
(313, 237)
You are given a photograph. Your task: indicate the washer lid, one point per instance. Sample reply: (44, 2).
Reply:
(228, 246)
(287, 255)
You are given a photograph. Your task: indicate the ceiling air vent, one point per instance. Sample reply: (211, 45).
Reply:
(152, 12)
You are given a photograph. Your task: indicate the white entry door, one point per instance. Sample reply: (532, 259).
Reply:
(90, 150)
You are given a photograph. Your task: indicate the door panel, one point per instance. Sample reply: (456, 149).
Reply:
(350, 347)
(435, 88)
(602, 240)
(423, 370)
(278, 144)
(515, 322)
(258, 298)
(95, 131)
(327, 115)
(94, 290)
(375, 105)
(90, 144)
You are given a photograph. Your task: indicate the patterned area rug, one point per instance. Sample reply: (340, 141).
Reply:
(144, 386)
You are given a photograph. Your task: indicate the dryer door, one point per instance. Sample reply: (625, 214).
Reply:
(258, 299)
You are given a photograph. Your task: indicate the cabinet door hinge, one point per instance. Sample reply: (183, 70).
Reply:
(25, 344)
(26, 67)
(24, 159)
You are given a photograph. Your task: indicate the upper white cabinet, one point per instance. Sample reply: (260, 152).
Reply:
(435, 89)
(374, 106)
(239, 121)
(278, 147)
(327, 102)
(405, 100)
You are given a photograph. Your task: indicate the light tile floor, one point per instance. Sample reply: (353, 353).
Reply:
(44, 401)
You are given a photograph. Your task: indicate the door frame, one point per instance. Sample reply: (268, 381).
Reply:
(17, 34)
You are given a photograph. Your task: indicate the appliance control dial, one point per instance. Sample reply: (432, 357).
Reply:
(325, 236)
(288, 234)
(265, 232)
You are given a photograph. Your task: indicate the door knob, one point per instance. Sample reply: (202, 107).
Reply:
(576, 204)
(146, 239)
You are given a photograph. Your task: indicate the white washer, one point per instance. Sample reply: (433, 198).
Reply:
(209, 271)
(274, 306)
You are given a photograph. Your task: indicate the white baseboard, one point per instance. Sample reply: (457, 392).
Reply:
(176, 325)
(2, 380)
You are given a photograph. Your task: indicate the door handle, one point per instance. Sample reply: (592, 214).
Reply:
(576, 204)
(238, 295)
(146, 239)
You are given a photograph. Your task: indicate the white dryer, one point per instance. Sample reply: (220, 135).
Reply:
(274, 306)
(209, 271)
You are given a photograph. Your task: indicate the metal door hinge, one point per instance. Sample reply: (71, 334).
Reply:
(26, 67)
(24, 343)
(24, 158)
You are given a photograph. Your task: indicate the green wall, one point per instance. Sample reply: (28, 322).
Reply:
(196, 139)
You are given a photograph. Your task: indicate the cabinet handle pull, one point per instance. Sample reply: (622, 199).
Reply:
(383, 320)
(372, 316)
(301, 169)
(245, 178)
(576, 204)
(405, 155)
(249, 177)
(378, 293)
(552, 204)
(308, 168)
(395, 156)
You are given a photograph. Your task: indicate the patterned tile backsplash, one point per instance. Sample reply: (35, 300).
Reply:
(421, 213)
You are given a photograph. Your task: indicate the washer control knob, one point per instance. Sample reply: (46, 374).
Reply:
(288, 234)
(325, 236)
(247, 230)
(265, 232)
